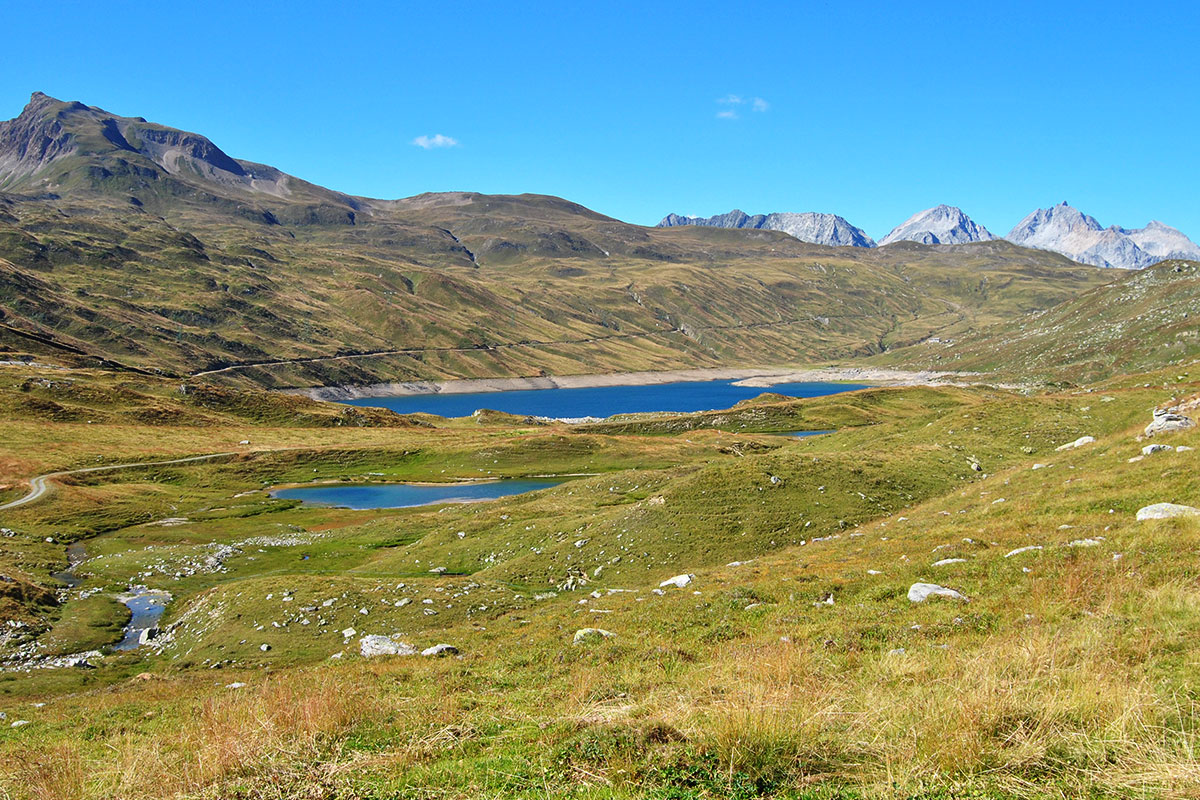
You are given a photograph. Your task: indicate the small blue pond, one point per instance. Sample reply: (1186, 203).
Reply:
(406, 495)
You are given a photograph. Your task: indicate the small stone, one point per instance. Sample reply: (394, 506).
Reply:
(235, 685)
(920, 592)
(1020, 550)
(264, 647)
(440, 650)
(1151, 449)
(946, 561)
(1080, 442)
(679, 581)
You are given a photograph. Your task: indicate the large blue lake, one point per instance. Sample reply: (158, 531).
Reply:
(599, 401)
(406, 495)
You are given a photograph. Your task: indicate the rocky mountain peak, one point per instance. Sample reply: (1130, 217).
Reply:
(941, 224)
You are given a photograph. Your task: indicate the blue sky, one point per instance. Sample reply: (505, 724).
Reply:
(869, 110)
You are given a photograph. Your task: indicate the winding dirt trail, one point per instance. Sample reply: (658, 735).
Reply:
(40, 486)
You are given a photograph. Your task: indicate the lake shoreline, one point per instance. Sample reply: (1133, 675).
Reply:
(763, 377)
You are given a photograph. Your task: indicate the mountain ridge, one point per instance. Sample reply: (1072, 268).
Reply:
(1065, 229)
(808, 226)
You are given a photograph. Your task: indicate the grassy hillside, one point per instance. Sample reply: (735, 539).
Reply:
(1145, 320)
(126, 242)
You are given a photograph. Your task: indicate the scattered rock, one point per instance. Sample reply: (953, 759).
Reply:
(1084, 543)
(920, 592)
(1151, 449)
(1166, 511)
(264, 647)
(679, 581)
(1020, 550)
(385, 646)
(235, 685)
(440, 650)
(584, 635)
(1080, 442)
(946, 561)
(1183, 448)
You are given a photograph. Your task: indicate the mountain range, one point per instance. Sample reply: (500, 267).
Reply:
(130, 243)
(1061, 229)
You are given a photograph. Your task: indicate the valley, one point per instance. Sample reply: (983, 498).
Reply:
(305, 494)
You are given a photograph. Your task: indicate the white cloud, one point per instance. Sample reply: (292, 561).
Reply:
(437, 140)
(733, 101)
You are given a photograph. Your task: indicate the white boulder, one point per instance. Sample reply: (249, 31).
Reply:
(1080, 442)
(1166, 511)
(1151, 449)
(920, 592)
(375, 645)
(679, 581)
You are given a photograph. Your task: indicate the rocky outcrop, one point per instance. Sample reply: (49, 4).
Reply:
(939, 225)
(1168, 420)
(809, 226)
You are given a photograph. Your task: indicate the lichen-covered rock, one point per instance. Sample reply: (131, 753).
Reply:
(584, 635)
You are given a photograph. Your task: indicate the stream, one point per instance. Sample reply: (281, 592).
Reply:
(145, 605)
